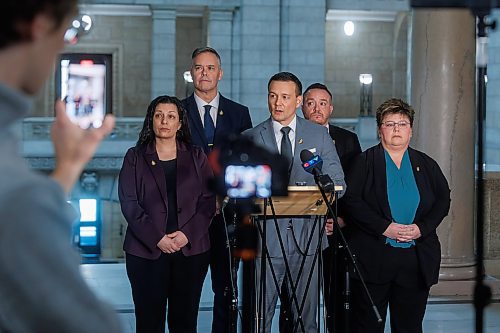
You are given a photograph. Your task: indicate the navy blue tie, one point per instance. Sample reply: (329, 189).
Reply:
(209, 125)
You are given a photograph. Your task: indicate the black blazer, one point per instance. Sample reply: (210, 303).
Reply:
(347, 144)
(368, 210)
(232, 118)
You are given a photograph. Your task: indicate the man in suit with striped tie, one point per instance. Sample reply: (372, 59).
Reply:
(212, 119)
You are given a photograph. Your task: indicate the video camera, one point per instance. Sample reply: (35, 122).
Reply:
(243, 171)
(246, 171)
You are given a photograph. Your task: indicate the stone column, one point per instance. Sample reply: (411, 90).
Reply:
(163, 52)
(219, 36)
(442, 93)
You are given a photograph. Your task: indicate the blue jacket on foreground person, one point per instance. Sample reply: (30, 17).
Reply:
(41, 288)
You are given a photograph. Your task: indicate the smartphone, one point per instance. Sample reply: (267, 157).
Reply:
(83, 88)
(243, 181)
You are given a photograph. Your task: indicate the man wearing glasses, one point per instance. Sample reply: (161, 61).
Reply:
(42, 289)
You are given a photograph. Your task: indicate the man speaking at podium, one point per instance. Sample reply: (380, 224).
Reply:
(286, 133)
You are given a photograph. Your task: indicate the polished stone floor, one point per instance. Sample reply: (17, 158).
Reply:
(454, 315)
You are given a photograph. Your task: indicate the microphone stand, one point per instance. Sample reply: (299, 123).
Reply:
(337, 281)
(233, 289)
(482, 292)
(319, 179)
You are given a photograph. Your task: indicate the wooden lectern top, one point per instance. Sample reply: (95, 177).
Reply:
(301, 201)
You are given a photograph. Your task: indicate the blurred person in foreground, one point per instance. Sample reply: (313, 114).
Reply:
(396, 198)
(42, 289)
(164, 195)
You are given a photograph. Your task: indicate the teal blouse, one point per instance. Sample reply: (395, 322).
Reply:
(402, 193)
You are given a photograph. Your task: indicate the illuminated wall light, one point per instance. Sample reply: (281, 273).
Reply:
(88, 210)
(349, 28)
(88, 231)
(187, 76)
(87, 22)
(88, 236)
(365, 78)
(81, 25)
(366, 94)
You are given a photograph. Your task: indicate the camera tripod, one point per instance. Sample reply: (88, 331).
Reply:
(231, 291)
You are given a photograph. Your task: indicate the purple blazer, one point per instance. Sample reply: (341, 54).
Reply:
(143, 198)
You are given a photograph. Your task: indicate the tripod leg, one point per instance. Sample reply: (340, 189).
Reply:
(285, 316)
(347, 300)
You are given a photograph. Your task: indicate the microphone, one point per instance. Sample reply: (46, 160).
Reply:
(312, 164)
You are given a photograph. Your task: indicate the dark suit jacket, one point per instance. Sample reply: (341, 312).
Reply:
(232, 118)
(347, 144)
(369, 213)
(143, 198)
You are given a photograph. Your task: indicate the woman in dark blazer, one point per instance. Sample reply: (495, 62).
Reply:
(168, 207)
(396, 198)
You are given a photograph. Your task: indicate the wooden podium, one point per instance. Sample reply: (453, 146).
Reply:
(301, 201)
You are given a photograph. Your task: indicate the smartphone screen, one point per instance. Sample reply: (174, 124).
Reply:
(83, 88)
(248, 181)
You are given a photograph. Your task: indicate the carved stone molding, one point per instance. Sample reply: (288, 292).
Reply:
(97, 163)
(38, 129)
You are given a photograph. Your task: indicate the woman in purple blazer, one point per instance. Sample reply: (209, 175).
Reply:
(168, 207)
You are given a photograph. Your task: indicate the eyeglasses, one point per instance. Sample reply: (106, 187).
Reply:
(403, 124)
(80, 26)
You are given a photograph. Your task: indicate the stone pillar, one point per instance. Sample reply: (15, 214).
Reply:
(219, 36)
(163, 52)
(442, 93)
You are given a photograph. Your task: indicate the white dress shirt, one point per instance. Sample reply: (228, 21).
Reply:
(213, 111)
(278, 135)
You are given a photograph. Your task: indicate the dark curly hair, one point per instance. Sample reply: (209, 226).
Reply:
(147, 134)
(18, 13)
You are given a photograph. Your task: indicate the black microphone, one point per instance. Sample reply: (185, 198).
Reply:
(312, 164)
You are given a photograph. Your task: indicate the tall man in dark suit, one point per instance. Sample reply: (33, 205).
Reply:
(212, 118)
(288, 134)
(318, 107)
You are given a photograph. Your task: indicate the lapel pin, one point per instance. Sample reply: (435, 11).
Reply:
(301, 141)
(418, 168)
(153, 163)
(221, 113)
